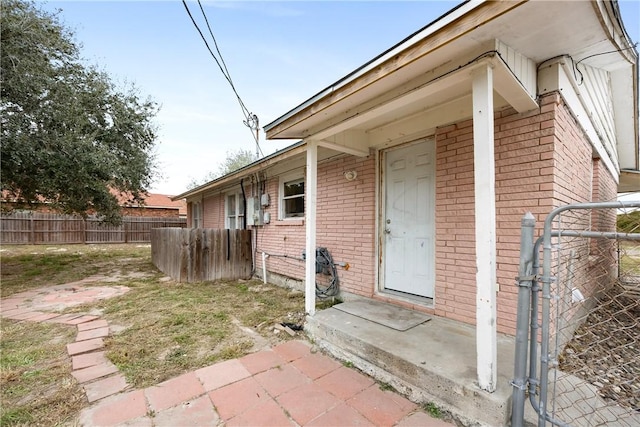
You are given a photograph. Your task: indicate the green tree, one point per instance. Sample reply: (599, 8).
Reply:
(69, 136)
(235, 160)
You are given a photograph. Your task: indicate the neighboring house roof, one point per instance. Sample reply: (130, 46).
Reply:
(155, 201)
(151, 201)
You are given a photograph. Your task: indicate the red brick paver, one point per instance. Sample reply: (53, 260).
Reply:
(197, 412)
(221, 374)
(90, 359)
(308, 402)
(104, 387)
(268, 414)
(281, 379)
(84, 346)
(93, 333)
(292, 350)
(94, 324)
(344, 383)
(24, 315)
(381, 407)
(81, 319)
(341, 415)
(315, 365)
(89, 364)
(115, 410)
(239, 397)
(174, 391)
(64, 318)
(43, 316)
(94, 372)
(261, 361)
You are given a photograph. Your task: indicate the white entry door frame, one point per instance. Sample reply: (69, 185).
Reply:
(408, 219)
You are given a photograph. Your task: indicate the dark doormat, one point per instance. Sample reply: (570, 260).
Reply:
(388, 315)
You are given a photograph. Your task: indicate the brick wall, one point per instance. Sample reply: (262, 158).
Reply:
(345, 224)
(151, 212)
(213, 211)
(542, 161)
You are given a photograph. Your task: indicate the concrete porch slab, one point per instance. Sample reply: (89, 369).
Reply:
(431, 362)
(387, 315)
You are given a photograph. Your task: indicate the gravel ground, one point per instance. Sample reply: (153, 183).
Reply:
(605, 350)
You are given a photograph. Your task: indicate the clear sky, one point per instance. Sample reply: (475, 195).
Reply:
(278, 53)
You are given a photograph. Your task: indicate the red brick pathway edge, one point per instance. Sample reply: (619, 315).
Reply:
(99, 377)
(288, 385)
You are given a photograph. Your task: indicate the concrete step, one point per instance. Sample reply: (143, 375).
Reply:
(432, 362)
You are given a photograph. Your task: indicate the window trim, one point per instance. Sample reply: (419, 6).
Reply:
(293, 176)
(196, 215)
(239, 217)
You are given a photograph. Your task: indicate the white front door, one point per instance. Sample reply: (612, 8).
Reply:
(408, 219)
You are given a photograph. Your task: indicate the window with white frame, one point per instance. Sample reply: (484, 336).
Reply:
(234, 208)
(292, 196)
(196, 212)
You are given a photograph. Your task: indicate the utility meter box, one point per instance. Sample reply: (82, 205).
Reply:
(254, 211)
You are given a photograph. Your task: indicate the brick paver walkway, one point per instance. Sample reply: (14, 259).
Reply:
(288, 385)
(99, 377)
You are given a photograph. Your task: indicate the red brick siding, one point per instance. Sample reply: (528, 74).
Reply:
(345, 224)
(542, 161)
(213, 211)
(151, 212)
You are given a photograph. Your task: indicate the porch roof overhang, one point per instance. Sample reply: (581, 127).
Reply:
(431, 69)
(629, 181)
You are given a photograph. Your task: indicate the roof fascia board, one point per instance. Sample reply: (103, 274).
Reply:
(438, 34)
(625, 117)
(380, 59)
(506, 84)
(557, 77)
(250, 169)
(608, 13)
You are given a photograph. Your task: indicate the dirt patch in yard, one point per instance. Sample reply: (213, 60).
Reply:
(604, 350)
(167, 328)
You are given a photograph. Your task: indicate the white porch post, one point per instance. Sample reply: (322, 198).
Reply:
(485, 215)
(311, 192)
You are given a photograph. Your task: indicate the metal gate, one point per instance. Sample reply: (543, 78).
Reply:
(577, 356)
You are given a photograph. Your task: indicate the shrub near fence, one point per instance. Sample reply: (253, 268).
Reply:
(37, 228)
(202, 254)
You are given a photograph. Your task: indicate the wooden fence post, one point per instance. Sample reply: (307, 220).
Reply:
(32, 233)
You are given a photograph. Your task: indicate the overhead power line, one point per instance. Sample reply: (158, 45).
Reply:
(250, 119)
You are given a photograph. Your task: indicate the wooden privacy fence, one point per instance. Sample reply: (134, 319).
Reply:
(202, 254)
(37, 228)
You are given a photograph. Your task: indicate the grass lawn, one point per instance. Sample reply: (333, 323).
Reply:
(630, 260)
(36, 388)
(159, 329)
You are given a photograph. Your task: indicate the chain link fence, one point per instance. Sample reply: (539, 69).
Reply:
(583, 318)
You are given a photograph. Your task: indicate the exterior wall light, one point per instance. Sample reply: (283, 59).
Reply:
(350, 175)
